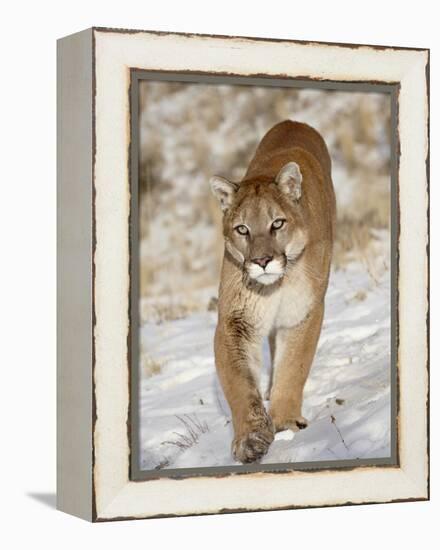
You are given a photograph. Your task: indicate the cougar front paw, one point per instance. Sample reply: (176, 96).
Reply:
(294, 424)
(253, 445)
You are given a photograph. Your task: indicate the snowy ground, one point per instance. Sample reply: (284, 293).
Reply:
(185, 420)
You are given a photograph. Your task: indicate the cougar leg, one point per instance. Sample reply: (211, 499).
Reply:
(272, 340)
(294, 355)
(236, 352)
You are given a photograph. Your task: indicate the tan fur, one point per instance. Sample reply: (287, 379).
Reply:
(273, 280)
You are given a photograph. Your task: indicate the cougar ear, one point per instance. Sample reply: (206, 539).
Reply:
(223, 190)
(289, 180)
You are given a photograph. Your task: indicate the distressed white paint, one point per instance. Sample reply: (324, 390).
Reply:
(116, 495)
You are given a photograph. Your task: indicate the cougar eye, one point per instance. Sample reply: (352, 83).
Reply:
(242, 229)
(278, 224)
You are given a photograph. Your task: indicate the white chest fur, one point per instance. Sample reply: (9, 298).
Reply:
(296, 301)
(288, 306)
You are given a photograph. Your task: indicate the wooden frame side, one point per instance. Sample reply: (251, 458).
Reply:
(74, 274)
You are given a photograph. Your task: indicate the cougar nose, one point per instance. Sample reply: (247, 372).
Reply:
(263, 261)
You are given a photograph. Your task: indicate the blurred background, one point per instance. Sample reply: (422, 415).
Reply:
(189, 132)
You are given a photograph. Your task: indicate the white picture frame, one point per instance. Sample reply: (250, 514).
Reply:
(95, 213)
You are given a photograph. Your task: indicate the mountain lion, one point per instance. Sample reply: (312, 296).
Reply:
(278, 227)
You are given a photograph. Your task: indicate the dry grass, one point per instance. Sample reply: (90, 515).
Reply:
(193, 429)
(160, 312)
(149, 366)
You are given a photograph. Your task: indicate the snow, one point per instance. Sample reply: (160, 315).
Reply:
(185, 419)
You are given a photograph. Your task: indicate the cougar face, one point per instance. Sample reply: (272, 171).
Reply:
(263, 230)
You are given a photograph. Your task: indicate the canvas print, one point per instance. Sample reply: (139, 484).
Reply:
(265, 262)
